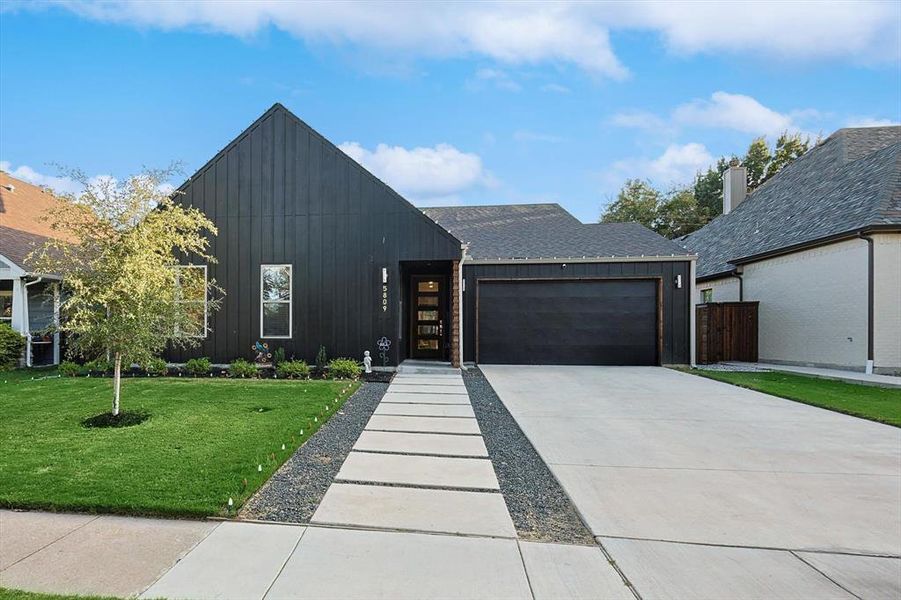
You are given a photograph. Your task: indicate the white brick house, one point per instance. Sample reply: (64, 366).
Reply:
(819, 246)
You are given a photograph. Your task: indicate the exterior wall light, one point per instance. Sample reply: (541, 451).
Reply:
(384, 275)
(678, 282)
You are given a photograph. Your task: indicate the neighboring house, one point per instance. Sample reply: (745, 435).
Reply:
(29, 301)
(819, 247)
(313, 250)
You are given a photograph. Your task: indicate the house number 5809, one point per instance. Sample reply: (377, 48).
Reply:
(384, 298)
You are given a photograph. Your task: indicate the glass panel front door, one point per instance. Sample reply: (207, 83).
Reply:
(426, 313)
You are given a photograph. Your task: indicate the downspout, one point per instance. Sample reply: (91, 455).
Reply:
(462, 286)
(26, 320)
(741, 284)
(870, 299)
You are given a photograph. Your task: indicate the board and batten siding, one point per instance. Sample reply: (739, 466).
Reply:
(676, 302)
(280, 193)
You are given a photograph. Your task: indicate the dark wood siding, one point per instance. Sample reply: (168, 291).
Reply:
(281, 193)
(676, 303)
(727, 331)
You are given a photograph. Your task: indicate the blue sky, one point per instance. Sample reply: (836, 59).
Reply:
(451, 103)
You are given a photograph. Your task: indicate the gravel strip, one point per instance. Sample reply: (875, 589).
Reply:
(540, 509)
(732, 368)
(294, 492)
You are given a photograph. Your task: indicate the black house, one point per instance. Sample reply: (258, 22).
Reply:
(313, 250)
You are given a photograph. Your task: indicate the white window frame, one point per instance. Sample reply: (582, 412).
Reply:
(206, 312)
(289, 301)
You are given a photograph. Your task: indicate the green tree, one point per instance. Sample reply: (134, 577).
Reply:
(789, 146)
(756, 161)
(124, 296)
(708, 188)
(680, 214)
(636, 202)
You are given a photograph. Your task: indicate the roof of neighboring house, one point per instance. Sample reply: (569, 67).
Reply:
(848, 183)
(23, 208)
(532, 231)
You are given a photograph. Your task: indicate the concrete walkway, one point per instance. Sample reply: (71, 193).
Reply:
(702, 489)
(415, 512)
(849, 376)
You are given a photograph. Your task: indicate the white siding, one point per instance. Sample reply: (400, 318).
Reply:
(887, 302)
(813, 305)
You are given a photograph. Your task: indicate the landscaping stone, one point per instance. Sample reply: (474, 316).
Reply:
(425, 410)
(421, 443)
(237, 560)
(292, 494)
(423, 424)
(432, 471)
(576, 572)
(417, 398)
(540, 508)
(369, 565)
(387, 507)
(110, 556)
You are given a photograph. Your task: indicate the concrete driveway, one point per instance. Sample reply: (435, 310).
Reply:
(697, 487)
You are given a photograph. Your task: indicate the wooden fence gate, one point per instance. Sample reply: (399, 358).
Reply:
(726, 331)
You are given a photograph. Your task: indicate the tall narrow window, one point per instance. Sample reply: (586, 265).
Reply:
(190, 291)
(275, 301)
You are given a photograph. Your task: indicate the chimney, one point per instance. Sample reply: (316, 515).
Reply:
(735, 187)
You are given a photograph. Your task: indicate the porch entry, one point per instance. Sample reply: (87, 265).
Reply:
(427, 316)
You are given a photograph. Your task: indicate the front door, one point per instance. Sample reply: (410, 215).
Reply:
(427, 316)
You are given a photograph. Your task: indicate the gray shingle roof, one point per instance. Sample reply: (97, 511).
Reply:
(849, 182)
(520, 231)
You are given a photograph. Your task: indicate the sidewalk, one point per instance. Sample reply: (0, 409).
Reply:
(849, 376)
(414, 512)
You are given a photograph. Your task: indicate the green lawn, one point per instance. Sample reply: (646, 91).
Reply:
(8, 594)
(203, 439)
(868, 402)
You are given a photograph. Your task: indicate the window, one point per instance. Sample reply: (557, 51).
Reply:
(706, 296)
(6, 306)
(190, 291)
(275, 301)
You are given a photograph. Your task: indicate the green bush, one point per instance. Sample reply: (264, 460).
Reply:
(278, 356)
(67, 368)
(198, 367)
(293, 369)
(155, 366)
(99, 365)
(243, 368)
(344, 368)
(321, 359)
(12, 343)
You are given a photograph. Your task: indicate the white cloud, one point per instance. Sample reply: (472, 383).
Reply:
(516, 33)
(732, 111)
(524, 135)
(870, 122)
(422, 173)
(676, 166)
(59, 184)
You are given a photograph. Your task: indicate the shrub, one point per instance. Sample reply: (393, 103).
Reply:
(98, 365)
(243, 368)
(278, 356)
(293, 369)
(321, 358)
(344, 368)
(198, 366)
(155, 366)
(67, 368)
(12, 343)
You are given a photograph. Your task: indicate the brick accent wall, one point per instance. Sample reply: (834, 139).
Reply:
(455, 315)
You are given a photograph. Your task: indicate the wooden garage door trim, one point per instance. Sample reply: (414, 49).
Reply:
(656, 278)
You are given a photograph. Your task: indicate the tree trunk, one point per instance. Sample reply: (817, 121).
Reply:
(117, 380)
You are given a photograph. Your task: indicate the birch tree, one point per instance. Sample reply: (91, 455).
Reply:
(124, 295)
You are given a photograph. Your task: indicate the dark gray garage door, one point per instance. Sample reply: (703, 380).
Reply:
(575, 322)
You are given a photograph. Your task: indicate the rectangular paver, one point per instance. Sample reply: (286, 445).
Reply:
(422, 443)
(413, 398)
(389, 507)
(865, 576)
(427, 380)
(24, 533)
(110, 556)
(670, 570)
(238, 560)
(345, 564)
(432, 471)
(425, 410)
(417, 388)
(423, 424)
(575, 572)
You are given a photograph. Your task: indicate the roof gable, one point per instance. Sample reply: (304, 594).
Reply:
(847, 183)
(24, 209)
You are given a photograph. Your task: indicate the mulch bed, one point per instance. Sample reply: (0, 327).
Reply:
(540, 509)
